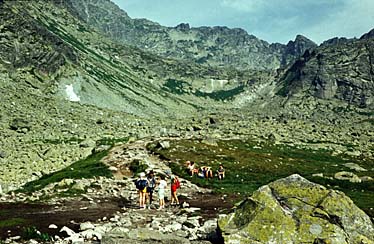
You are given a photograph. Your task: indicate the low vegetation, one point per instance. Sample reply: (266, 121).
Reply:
(250, 165)
(89, 167)
(33, 233)
(86, 168)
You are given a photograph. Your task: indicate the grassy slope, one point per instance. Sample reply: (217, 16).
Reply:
(249, 166)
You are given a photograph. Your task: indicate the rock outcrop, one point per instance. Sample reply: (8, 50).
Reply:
(341, 71)
(294, 210)
(213, 46)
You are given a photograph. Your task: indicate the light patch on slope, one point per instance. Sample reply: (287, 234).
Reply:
(255, 93)
(71, 95)
(220, 86)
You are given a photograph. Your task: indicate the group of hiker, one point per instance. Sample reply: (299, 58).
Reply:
(204, 171)
(148, 184)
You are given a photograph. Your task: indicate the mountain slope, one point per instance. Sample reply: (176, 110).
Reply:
(213, 46)
(342, 71)
(56, 53)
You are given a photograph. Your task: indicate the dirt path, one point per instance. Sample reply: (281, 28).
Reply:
(72, 212)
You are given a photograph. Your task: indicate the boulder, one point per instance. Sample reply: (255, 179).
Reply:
(343, 175)
(86, 226)
(142, 235)
(355, 167)
(295, 210)
(164, 145)
(88, 143)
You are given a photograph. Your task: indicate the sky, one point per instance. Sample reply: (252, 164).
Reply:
(270, 20)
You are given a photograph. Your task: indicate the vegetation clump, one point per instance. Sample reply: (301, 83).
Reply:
(87, 168)
(250, 165)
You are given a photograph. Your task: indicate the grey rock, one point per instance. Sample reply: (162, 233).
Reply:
(3, 154)
(88, 143)
(86, 226)
(213, 46)
(272, 212)
(334, 72)
(142, 236)
(164, 144)
(344, 175)
(355, 167)
(68, 231)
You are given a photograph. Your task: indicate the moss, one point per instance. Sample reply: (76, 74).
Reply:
(86, 168)
(11, 222)
(137, 166)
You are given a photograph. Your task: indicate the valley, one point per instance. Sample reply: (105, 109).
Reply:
(91, 97)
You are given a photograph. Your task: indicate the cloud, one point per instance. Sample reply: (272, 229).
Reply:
(353, 20)
(244, 5)
(271, 20)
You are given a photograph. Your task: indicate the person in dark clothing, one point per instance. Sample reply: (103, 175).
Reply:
(151, 185)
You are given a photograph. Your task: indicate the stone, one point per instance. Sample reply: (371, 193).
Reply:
(86, 226)
(88, 143)
(68, 231)
(142, 235)
(164, 144)
(295, 210)
(90, 234)
(355, 167)
(210, 142)
(65, 182)
(112, 168)
(344, 175)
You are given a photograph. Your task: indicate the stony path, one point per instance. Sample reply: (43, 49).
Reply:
(193, 222)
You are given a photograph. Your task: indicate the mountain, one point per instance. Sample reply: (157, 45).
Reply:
(66, 86)
(213, 46)
(341, 69)
(46, 48)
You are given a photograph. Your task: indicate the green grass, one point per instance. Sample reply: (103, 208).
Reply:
(249, 165)
(86, 168)
(33, 233)
(138, 166)
(11, 222)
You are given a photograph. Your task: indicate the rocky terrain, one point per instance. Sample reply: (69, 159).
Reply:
(294, 210)
(213, 46)
(76, 101)
(341, 71)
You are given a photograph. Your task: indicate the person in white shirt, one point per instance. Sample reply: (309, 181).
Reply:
(161, 191)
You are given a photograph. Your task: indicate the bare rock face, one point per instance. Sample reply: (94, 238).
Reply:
(213, 46)
(342, 71)
(294, 210)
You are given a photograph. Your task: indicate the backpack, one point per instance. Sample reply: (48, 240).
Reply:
(151, 183)
(177, 183)
(141, 184)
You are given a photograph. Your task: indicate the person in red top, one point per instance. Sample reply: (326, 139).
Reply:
(175, 184)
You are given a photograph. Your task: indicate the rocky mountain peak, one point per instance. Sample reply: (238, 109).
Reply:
(217, 46)
(183, 27)
(368, 35)
(295, 49)
(336, 41)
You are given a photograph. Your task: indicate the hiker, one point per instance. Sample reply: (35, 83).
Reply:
(161, 191)
(151, 186)
(141, 184)
(207, 172)
(221, 172)
(175, 184)
(191, 168)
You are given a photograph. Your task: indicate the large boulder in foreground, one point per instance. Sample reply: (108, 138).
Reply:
(295, 210)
